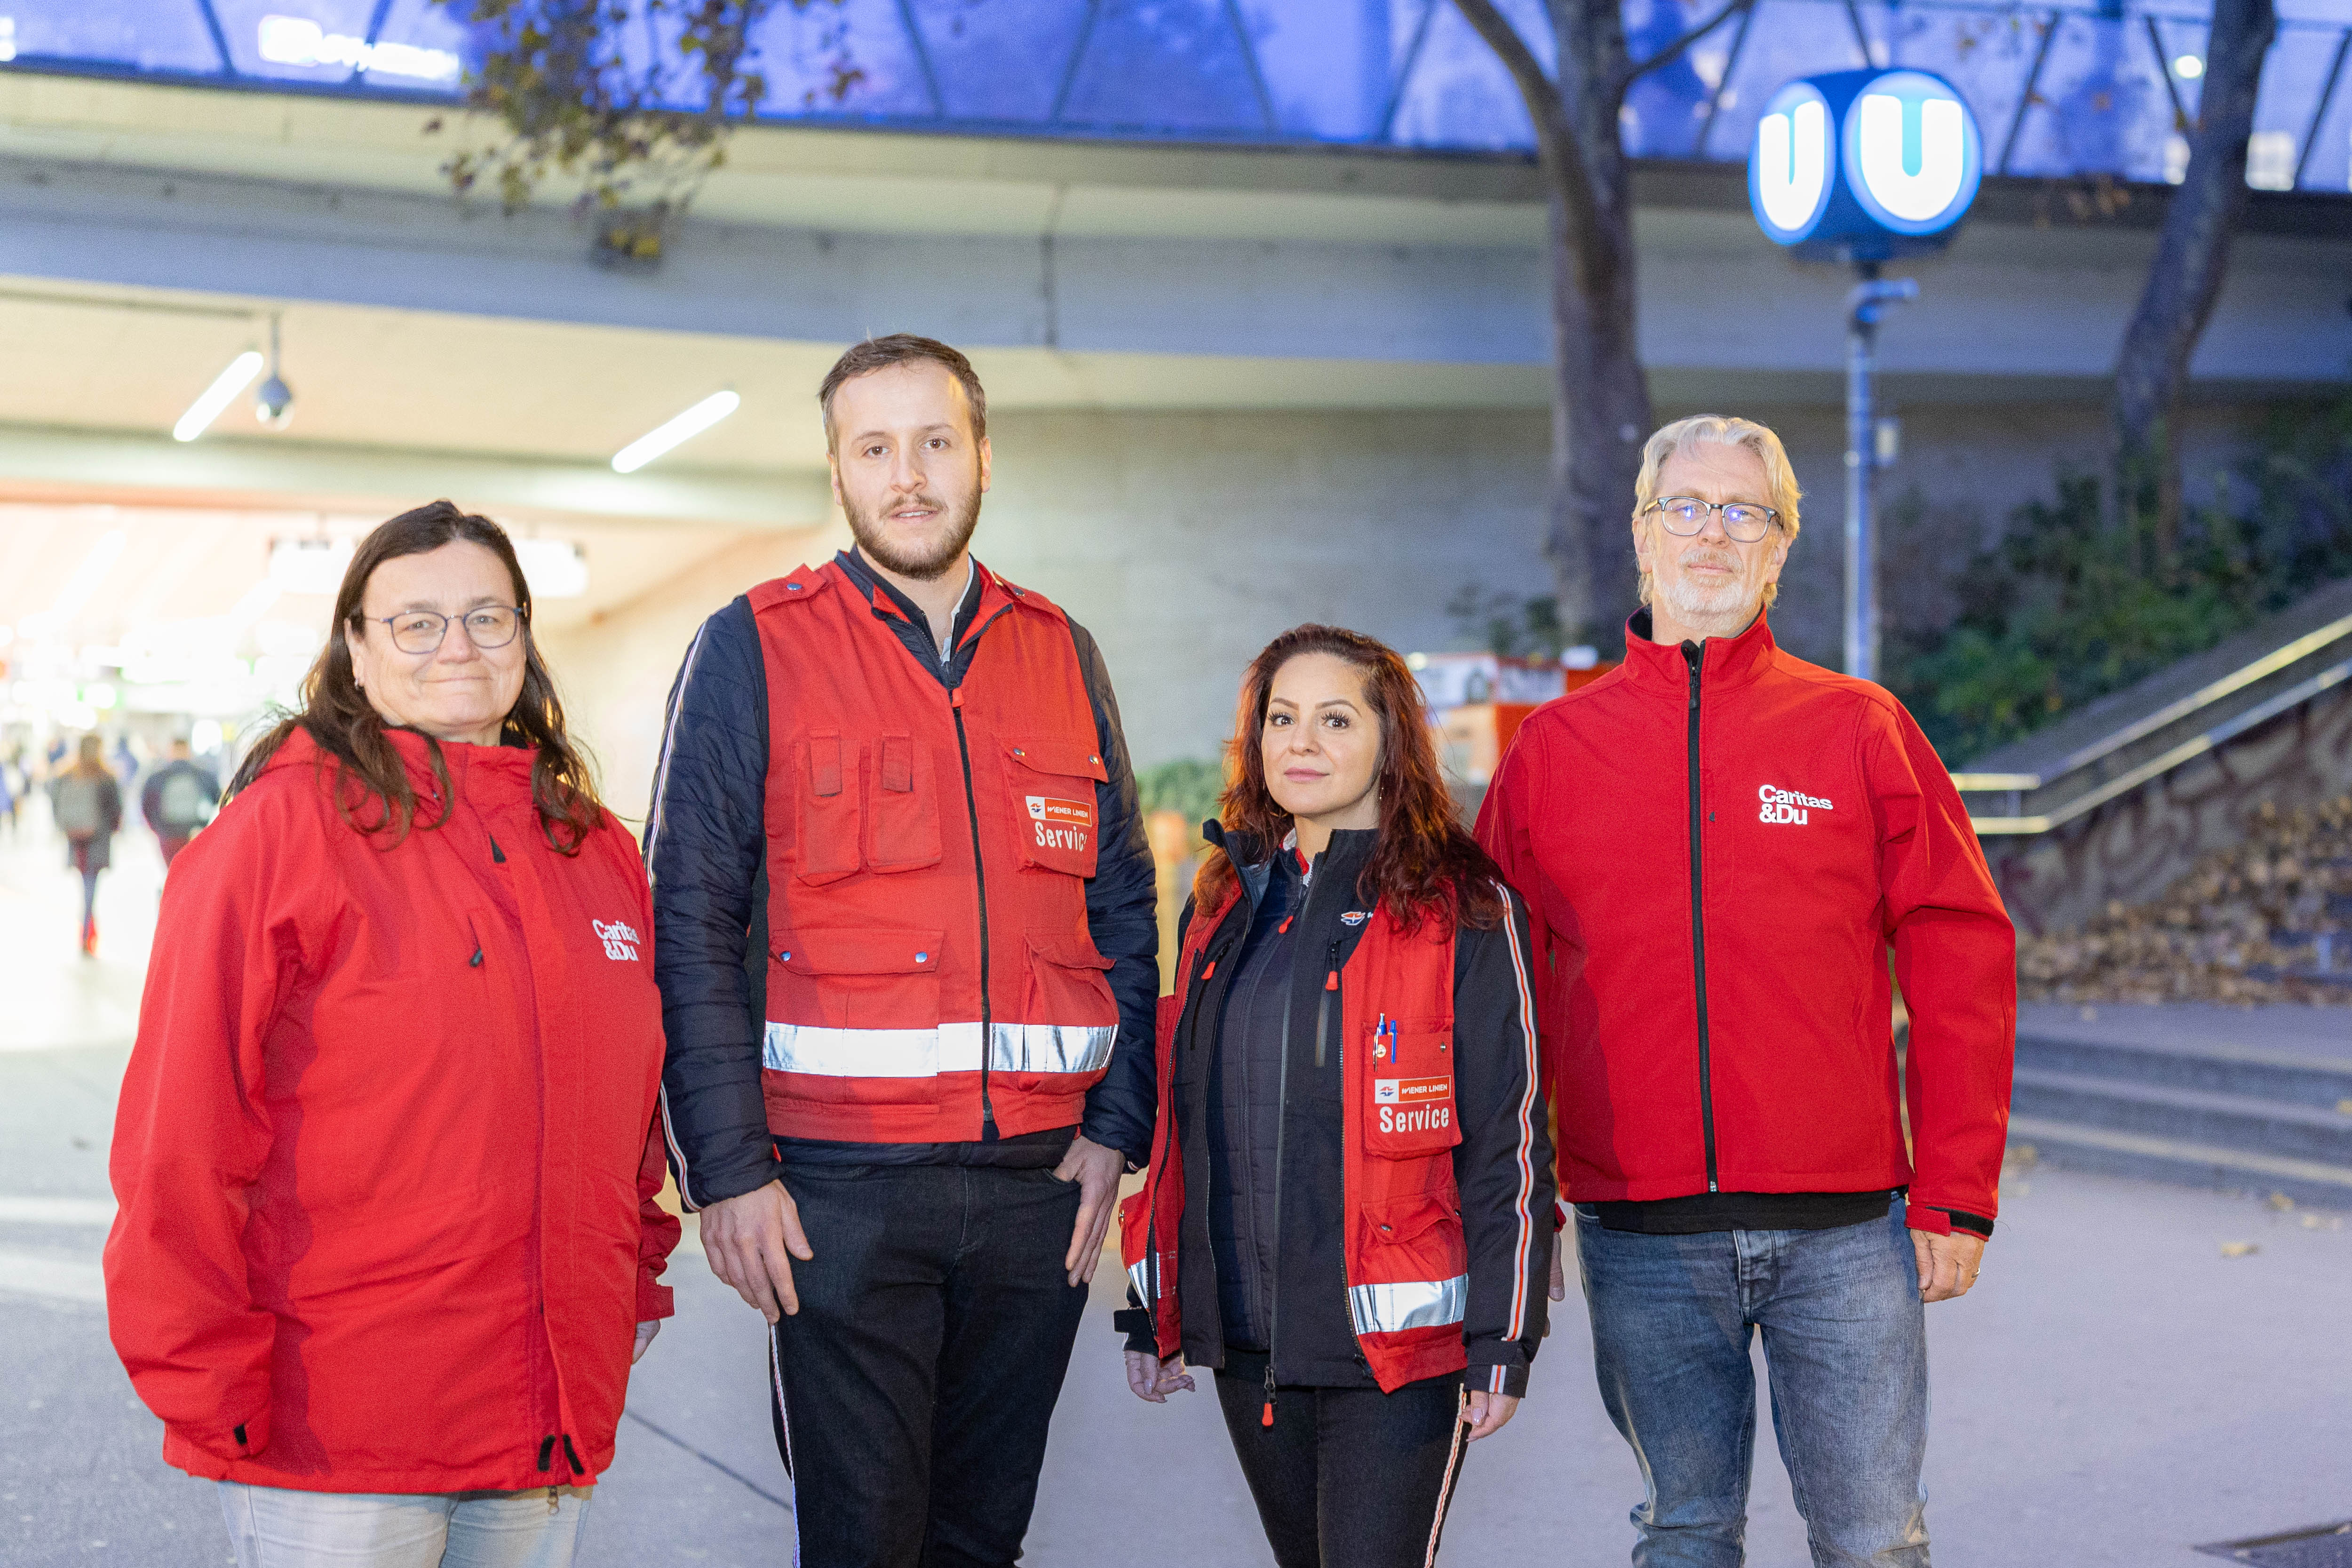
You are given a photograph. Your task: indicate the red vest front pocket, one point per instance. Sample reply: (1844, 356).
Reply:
(1052, 786)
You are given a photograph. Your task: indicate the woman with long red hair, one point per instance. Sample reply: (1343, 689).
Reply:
(1347, 1212)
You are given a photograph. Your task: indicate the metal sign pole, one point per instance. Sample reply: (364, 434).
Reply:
(1870, 297)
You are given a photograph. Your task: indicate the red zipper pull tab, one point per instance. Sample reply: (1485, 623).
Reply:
(1331, 980)
(955, 697)
(1267, 1419)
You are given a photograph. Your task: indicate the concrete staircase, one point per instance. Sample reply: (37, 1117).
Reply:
(2251, 1100)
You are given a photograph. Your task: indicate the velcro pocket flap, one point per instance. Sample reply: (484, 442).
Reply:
(1058, 757)
(864, 950)
(1400, 1220)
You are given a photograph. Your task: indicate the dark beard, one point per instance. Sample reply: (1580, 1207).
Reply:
(925, 568)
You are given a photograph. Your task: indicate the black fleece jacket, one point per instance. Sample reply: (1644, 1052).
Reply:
(705, 851)
(1287, 1238)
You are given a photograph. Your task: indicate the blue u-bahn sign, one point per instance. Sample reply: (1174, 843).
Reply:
(1865, 163)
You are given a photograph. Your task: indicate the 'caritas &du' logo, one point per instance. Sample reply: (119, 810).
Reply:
(620, 941)
(1787, 805)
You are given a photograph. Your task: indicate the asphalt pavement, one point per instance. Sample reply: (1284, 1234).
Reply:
(2143, 1369)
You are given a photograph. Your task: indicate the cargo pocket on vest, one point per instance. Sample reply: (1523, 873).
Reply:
(1415, 1244)
(1068, 1017)
(827, 769)
(855, 1012)
(903, 830)
(1051, 786)
(1409, 1074)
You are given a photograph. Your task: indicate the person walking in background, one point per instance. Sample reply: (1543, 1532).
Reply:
(12, 791)
(177, 799)
(1349, 1207)
(1718, 844)
(892, 790)
(87, 805)
(386, 1242)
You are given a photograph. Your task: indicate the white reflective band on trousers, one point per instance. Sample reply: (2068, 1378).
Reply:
(926, 1053)
(1410, 1304)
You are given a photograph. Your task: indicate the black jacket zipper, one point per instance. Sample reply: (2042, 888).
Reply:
(1695, 654)
(978, 872)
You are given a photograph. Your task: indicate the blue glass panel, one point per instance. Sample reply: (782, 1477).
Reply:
(1458, 94)
(853, 58)
(141, 34)
(1790, 38)
(1986, 55)
(1664, 107)
(2101, 106)
(1329, 65)
(296, 40)
(988, 71)
(2291, 74)
(1165, 66)
(2329, 165)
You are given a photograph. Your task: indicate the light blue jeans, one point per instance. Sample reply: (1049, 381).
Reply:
(1845, 1344)
(273, 1527)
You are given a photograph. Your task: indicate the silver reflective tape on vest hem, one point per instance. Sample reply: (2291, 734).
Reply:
(871, 1053)
(1050, 1047)
(1139, 1279)
(1413, 1304)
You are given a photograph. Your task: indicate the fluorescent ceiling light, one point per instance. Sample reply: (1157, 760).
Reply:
(299, 41)
(217, 396)
(685, 428)
(309, 566)
(553, 568)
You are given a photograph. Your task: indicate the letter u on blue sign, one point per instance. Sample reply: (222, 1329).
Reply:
(1912, 158)
(1790, 173)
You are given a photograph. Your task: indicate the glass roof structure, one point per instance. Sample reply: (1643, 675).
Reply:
(2061, 90)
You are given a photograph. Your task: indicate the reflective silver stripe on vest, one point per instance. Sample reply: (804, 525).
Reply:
(926, 1053)
(1139, 1279)
(1413, 1304)
(1050, 1047)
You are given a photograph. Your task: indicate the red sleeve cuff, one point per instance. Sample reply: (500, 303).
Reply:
(1943, 1222)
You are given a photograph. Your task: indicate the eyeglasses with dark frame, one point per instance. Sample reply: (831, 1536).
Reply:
(1685, 516)
(488, 626)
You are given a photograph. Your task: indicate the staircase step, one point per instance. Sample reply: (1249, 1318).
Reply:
(2248, 1122)
(2294, 1076)
(2183, 1164)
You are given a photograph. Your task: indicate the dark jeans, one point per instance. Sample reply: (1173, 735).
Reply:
(1347, 1478)
(913, 1388)
(1845, 1344)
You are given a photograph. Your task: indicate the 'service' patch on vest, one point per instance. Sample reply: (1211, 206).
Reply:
(1058, 824)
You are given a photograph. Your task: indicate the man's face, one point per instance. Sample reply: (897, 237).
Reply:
(1711, 575)
(906, 469)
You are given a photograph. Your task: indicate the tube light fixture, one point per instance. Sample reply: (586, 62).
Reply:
(217, 396)
(685, 428)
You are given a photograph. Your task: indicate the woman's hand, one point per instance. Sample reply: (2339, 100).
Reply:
(1486, 1413)
(646, 1332)
(1154, 1380)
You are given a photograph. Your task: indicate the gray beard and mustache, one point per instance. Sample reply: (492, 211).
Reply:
(925, 564)
(1688, 599)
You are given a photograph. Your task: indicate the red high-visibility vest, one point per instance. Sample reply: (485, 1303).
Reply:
(927, 851)
(1407, 1263)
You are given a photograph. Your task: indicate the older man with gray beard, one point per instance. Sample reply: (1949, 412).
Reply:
(1718, 844)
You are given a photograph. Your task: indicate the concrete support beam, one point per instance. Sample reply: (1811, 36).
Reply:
(72, 464)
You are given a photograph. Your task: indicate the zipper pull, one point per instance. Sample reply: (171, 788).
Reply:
(955, 697)
(1267, 1418)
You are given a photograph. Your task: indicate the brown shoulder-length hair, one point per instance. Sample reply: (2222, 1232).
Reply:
(1425, 866)
(371, 789)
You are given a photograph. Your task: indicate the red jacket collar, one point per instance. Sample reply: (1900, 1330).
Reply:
(497, 775)
(1728, 661)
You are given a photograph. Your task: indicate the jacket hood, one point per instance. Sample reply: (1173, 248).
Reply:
(1729, 661)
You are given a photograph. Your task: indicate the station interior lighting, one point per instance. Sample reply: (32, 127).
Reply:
(217, 396)
(685, 428)
(2188, 67)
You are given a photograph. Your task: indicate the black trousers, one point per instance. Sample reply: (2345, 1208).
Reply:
(913, 1388)
(1347, 1478)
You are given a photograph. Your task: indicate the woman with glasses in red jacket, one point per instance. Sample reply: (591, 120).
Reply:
(1349, 1208)
(387, 1242)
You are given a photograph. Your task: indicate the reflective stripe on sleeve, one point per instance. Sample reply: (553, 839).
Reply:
(926, 1053)
(1409, 1304)
(1139, 1279)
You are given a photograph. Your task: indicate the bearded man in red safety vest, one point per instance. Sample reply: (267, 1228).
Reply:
(906, 942)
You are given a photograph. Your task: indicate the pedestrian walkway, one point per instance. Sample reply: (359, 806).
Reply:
(2143, 1369)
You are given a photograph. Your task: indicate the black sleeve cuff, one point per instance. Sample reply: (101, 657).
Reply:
(1135, 1322)
(1974, 1224)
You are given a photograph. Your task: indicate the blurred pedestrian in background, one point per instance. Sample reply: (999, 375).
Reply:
(177, 799)
(87, 805)
(1349, 1207)
(387, 1242)
(12, 791)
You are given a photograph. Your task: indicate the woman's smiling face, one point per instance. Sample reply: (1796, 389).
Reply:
(1321, 741)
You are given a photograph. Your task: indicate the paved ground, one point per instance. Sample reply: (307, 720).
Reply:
(2118, 1390)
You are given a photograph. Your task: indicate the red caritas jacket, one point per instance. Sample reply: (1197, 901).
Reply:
(383, 1153)
(1717, 855)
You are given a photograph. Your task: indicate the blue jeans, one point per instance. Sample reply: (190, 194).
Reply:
(1845, 1343)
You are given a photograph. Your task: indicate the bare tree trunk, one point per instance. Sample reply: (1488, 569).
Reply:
(2192, 255)
(1600, 395)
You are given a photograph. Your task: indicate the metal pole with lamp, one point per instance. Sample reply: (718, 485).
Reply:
(1862, 167)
